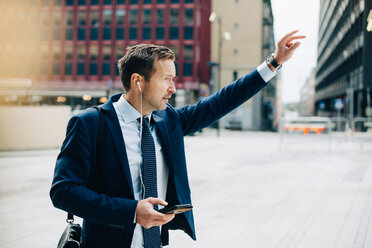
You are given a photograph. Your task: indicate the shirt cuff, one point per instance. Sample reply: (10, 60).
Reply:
(265, 72)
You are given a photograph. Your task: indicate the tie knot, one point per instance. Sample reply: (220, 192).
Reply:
(145, 121)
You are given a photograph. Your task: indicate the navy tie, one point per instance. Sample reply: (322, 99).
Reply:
(151, 236)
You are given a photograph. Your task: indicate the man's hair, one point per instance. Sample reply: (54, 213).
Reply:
(140, 59)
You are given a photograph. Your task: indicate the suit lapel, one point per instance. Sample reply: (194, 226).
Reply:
(113, 127)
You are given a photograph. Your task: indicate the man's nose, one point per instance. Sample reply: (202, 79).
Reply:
(172, 88)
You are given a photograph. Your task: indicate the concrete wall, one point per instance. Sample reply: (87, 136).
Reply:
(32, 127)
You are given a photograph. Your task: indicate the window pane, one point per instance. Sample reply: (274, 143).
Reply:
(175, 1)
(93, 69)
(81, 33)
(133, 16)
(107, 15)
(173, 33)
(69, 18)
(160, 1)
(107, 33)
(81, 52)
(174, 48)
(69, 33)
(146, 1)
(160, 33)
(188, 17)
(119, 51)
(174, 16)
(120, 33)
(68, 52)
(160, 16)
(94, 17)
(94, 2)
(188, 33)
(120, 2)
(44, 18)
(120, 15)
(56, 34)
(189, 1)
(107, 2)
(106, 67)
(57, 17)
(56, 52)
(187, 69)
(106, 52)
(146, 17)
(82, 18)
(81, 69)
(133, 1)
(44, 68)
(56, 69)
(82, 2)
(133, 33)
(188, 52)
(69, 2)
(68, 68)
(93, 52)
(94, 33)
(146, 33)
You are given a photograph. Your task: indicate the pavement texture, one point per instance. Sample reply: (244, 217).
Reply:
(249, 189)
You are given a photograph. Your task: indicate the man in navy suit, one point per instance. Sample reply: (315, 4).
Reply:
(112, 203)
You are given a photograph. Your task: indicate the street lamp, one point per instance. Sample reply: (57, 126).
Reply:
(222, 35)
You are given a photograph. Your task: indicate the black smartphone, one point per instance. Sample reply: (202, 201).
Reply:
(175, 209)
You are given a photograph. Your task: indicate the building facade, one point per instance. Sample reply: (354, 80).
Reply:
(250, 25)
(344, 70)
(66, 51)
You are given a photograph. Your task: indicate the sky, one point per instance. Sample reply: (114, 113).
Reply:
(302, 15)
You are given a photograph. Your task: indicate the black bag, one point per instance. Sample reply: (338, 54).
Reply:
(71, 237)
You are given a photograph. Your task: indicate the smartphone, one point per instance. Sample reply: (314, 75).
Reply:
(176, 209)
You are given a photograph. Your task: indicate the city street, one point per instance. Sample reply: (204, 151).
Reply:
(249, 189)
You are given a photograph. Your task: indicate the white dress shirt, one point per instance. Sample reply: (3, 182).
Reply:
(130, 129)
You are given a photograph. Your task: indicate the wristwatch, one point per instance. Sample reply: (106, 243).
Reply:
(273, 62)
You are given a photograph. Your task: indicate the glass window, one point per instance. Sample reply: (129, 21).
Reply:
(146, 17)
(188, 17)
(187, 69)
(160, 1)
(107, 33)
(94, 33)
(175, 1)
(107, 15)
(174, 16)
(174, 48)
(57, 17)
(106, 52)
(82, 2)
(120, 33)
(93, 52)
(107, 2)
(188, 52)
(147, 1)
(68, 68)
(33, 18)
(56, 34)
(94, 17)
(94, 2)
(120, 2)
(44, 33)
(146, 33)
(133, 33)
(69, 18)
(160, 16)
(80, 68)
(81, 33)
(81, 52)
(44, 18)
(173, 33)
(133, 1)
(82, 18)
(106, 69)
(188, 33)
(68, 52)
(69, 2)
(120, 16)
(119, 51)
(133, 16)
(57, 2)
(56, 52)
(93, 69)
(189, 1)
(44, 51)
(69, 34)
(44, 68)
(160, 33)
(56, 69)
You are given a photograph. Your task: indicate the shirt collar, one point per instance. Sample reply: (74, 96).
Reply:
(128, 112)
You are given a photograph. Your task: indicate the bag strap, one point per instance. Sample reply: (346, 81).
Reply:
(99, 145)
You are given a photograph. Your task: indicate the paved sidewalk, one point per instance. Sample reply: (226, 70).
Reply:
(247, 191)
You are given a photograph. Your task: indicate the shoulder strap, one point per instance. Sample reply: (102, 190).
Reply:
(99, 144)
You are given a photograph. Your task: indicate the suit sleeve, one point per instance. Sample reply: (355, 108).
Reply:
(205, 112)
(69, 191)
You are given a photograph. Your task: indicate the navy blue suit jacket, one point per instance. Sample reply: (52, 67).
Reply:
(108, 206)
